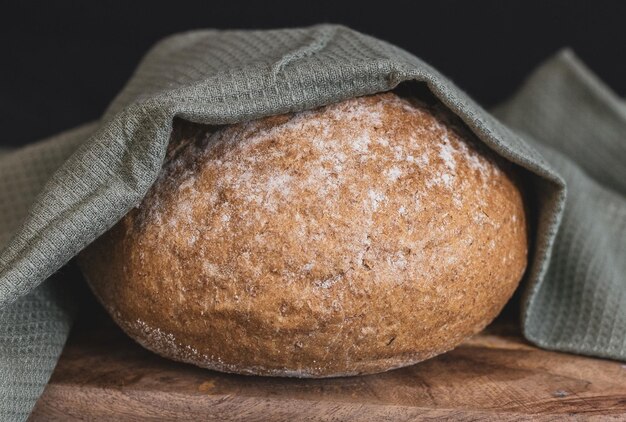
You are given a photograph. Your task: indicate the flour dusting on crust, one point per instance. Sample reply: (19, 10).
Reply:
(347, 239)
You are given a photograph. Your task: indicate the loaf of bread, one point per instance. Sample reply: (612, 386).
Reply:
(350, 239)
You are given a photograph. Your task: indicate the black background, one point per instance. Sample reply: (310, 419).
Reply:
(62, 62)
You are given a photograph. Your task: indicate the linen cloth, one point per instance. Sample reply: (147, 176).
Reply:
(564, 127)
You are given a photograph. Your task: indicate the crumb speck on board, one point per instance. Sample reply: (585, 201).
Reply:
(560, 393)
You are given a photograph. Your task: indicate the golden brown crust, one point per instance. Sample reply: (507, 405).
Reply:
(350, 239)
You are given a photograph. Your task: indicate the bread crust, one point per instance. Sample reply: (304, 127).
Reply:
(351, 239)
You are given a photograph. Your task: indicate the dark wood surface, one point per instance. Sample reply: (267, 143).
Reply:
(496, 375)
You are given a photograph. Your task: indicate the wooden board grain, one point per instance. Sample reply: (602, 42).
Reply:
(103, 375)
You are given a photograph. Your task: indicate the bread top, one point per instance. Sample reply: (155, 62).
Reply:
(348, 239)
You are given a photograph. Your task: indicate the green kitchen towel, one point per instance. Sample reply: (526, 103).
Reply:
(579, 126)
(57, 196)
(33, 328)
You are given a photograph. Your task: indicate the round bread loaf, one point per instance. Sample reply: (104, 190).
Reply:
(350, 239)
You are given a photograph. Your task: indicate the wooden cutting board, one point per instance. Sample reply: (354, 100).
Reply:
(496, 375)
